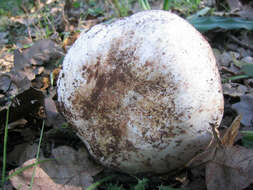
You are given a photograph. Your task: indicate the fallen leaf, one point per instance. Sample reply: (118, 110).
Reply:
(6, 60)
(235, 89)
(234, 4)
(245, 108)
(41, 52)
(243, 10)
(23, 105)
(46, 83)
(68, 41)
(53, 117)
(72, 170)
(229, 137)
(55, 75)
(231, 168)
(41, 179)
(5, 83)
(21, 153)
(246, 12)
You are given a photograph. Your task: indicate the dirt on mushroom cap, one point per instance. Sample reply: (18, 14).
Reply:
(142, 92)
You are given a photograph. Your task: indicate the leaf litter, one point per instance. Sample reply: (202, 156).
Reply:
(71, 170)
(227, 166)
(28, 78)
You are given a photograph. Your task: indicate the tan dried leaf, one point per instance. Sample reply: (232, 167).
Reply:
(228, 138)
(72, 170)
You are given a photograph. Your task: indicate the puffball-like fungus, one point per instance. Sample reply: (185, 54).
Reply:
(142, 92)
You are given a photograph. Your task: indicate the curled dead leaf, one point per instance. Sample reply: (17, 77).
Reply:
(229, 137)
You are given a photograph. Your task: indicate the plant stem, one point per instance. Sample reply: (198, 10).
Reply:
(5, 145)
(37, 154)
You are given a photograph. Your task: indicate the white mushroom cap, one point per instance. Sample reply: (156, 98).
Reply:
(142, 92)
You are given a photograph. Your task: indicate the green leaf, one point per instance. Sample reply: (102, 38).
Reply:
(248, 69)
(76, 4)
(247, 139)
(142, 184)
(206, 23)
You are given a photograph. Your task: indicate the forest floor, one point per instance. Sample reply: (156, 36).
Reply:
(34, 38)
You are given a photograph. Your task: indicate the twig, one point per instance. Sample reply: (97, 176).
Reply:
(243, 44)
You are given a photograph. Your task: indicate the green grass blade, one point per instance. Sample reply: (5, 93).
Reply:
(247, 139)
(248, 134)
(37, 154)
(5, 145)
(147, 5)
(238, 77)
(95, 185)
(206, 23)
(144, 4)
(166, 4)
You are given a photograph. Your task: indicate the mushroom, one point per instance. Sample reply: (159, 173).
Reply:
(143, 92)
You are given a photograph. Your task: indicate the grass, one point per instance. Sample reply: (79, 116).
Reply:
(20, 170)
(37, 154)
(142, 184)
(185, 6)
(121, 7)
(166, 5)
(5, 145)
(144, 4)
(98, 183)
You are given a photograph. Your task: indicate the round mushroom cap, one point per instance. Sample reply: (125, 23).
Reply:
(143, 92)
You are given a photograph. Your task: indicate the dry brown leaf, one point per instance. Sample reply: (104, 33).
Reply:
(6, 60)
(46, 83)
(228, 138)
(70, 40)
(41, 180)
(231, 168)
(72, 170)
(55, 75)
